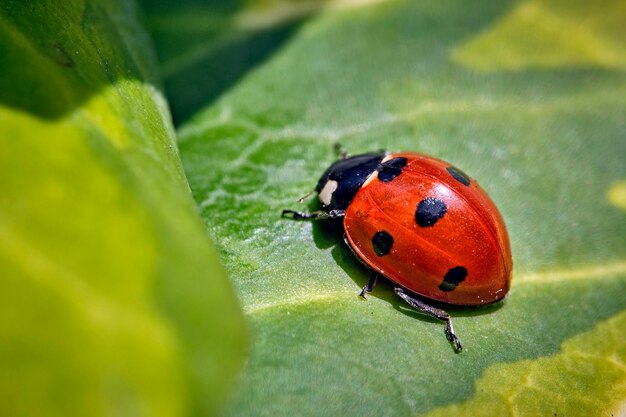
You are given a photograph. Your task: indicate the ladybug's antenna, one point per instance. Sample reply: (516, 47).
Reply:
(304, 197)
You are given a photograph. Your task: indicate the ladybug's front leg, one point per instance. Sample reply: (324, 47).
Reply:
(315, 215)
(341, 152)
(432, 312)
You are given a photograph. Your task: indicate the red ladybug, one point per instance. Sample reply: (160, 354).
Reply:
(421, 223)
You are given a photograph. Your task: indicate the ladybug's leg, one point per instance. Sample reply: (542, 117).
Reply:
(342, 153)
(373, 274)
(370, 284)
(315, 215)
(432, 312)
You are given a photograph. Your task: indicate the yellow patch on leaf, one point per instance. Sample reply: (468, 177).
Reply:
(550, 34)
(586, 378)
(617, 194)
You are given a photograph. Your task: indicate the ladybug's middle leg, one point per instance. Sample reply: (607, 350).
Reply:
(315, 215)
(370, 283)
(432, 312)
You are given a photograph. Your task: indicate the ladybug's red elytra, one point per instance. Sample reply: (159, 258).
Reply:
(421, 223)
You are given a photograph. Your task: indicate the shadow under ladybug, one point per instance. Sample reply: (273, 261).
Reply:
(422, 224)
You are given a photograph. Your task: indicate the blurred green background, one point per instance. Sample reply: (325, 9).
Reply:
(112, 299)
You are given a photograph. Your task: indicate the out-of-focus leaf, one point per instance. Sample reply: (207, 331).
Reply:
(547, 143)
(112, 300)
(206, 47)
(550, 34)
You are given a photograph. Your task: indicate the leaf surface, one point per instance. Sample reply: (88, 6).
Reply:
(544, 138)
(113, 302)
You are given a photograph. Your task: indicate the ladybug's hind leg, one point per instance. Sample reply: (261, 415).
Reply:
(315, 215)
(432, 312)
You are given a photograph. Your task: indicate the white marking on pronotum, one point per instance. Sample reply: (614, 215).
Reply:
(327, 192)
(371, 177)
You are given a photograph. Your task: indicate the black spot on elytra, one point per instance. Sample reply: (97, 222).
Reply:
(390, 169)
(453, 278)
(459, 175)
(429, 211)
(382, 243)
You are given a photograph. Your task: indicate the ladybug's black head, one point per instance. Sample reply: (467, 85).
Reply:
(341, 181)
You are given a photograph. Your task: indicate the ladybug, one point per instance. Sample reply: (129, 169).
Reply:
(421, 223)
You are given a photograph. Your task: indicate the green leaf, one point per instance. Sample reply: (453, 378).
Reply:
(582, 35)
(112, 300)
(206, 47)
(546, 141)
(591, 363)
